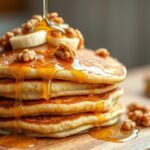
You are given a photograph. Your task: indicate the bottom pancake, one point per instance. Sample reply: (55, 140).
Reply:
(61, 126)
(66, 133)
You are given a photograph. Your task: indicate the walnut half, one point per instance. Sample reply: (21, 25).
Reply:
(27, 55)
(65, 51)
(128, 125)
(102, 52)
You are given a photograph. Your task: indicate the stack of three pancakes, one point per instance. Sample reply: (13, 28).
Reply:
(56, 98)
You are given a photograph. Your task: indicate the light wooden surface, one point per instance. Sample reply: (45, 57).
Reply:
(134, 87)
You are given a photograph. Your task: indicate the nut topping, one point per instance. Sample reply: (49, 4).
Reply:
(136, 106)
(56, 34)
(4, 41)
(65, 51)
(27, 55)
(102, 52)
(55, 18)
(70, 32)
(128, 125)
(145, 120)
(135, 115)
(140, 114)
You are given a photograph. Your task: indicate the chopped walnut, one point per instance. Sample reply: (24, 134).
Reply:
(65, 51)
(128, 125)
(55, 18)
(52, 15)
(56, 34)
(27, 55)
(70, 32)
(135, 115)
(81, 38)
(145, 120)
(37, 17)
(140, 114)
(136, 106)
(9, 35)
(26, 27)
(4, 41)
(17, 31)
(102, 52)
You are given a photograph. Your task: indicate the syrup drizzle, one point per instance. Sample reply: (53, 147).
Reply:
(19, 76)
(45, 8)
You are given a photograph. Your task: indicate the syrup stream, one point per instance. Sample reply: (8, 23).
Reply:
(45, 8)
(114, 134)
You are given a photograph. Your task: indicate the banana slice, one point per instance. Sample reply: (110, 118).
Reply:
(74, 42)
(29, 40)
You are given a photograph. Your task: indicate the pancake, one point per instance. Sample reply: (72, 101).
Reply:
(63, 105)
(35, 90)
(70, 132)
(87, 67)
(49, 125)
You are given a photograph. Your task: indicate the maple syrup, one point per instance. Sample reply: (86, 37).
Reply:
(45, 8)
(114, 134)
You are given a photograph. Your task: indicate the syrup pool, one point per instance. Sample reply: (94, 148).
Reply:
(114, 134)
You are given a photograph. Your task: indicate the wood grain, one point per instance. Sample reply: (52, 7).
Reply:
(134, 92)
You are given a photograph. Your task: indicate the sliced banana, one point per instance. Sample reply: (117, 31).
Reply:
(74, 42)
(29, 40)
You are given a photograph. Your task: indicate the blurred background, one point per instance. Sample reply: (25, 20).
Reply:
(121, 26)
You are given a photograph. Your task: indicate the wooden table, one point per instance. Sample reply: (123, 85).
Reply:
(134, 87)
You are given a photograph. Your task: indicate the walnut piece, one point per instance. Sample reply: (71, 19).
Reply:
(145, 120)
(55, 18)
(136, 106)
(56, 34)
(102, 52)
(4, 41)
(27, 55)
(26, 27)
(135, 115)
(70, 32)
(140, 114)
(65, 51)
(128, 125)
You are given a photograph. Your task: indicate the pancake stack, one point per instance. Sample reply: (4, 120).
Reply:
(54, 97)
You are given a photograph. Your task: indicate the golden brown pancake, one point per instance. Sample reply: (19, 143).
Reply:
(63, 105)
(87, 67)
(35, 90)
(66, 133)
(49, 125)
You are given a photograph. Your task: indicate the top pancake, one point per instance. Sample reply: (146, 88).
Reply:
(86, 67)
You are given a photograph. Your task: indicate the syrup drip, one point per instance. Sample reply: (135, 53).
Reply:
(113, 134)
(47, 76)
(99, 106)
(18, 74)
